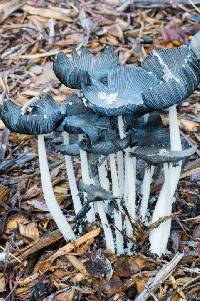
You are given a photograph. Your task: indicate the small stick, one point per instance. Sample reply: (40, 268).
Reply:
(153, 283)
(51, 25)
(75, 244)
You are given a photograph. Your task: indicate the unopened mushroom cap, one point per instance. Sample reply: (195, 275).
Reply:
(45, 116)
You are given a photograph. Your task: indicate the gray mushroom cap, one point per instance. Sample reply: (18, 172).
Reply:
(166, 77)
(123, 92)
(156, 156)
(151, 133)
(90, 124)
(81, 68)
(45, 116)
(68, 150)
(104, 147)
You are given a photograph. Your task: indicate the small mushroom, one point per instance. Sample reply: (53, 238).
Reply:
(104, 148)
(45, 116)
(156, 156)
(68, 149)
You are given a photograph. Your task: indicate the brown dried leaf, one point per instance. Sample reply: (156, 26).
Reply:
(14, 222)
(4, 194)
(2, 283)
(6, 9)
(189, 125)
(77, 264)
(24, 287)
(65, 296)
(111, 287)
(126, 267)
(31, 193)
(29, 230)
(115, 30)
(52, 13)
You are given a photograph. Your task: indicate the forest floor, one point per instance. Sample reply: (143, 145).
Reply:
(40, 265)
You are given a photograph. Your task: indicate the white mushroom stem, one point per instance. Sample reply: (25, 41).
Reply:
(117, 213)
(106, 227)
(49, 195)
(146, 185)
(159, 236)
(130, 168)
(121, 172)
(71, 178)
(101, 210)
(86, 179)
(103, 178)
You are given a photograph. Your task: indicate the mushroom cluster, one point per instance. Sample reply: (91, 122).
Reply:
(116, 117)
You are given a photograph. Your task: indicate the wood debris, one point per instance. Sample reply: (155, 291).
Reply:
(35, 262)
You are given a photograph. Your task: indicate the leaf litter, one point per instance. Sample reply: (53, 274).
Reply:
(39, 265)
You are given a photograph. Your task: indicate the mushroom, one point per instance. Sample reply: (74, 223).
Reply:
(165, 78)
(179, 73)
(44, 118)
(78, 70)
(121, 95)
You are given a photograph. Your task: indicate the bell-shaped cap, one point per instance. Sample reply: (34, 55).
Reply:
(79, 69)
(45, 116)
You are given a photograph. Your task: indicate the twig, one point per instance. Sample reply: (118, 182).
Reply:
(160, 277)
(77, 243)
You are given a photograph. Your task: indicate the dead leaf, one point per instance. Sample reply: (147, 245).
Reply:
(189, 125)
(126, 267)
(77, 264)
(4, 194)
(31, 193)
(6, 9)
(196, 232)
(65, 296)
(2, 283)
(29, 230)
(14, 222)
(115, 30)
(52, 13)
